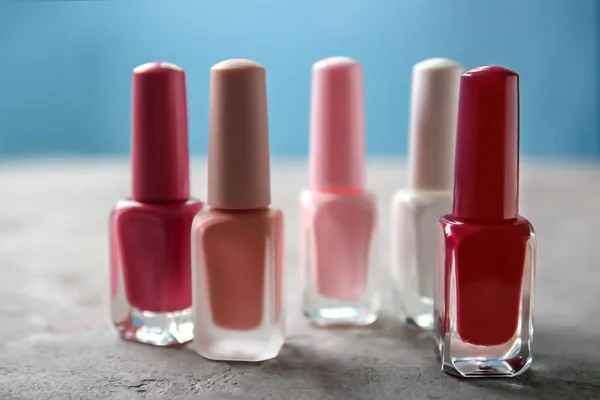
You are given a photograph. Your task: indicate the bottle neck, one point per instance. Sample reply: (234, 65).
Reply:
(229, 211)
(346, 191)
(507, 221)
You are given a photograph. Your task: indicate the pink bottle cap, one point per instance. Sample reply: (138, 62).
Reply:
(337, 143)
(159, 149)
(434, 110)
(238, 153)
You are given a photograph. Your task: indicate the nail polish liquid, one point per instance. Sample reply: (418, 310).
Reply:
(237, 241)
(485, 282)
(238, 278)
(338, 258)
(150, 269)
(416, 209)
(339, 217)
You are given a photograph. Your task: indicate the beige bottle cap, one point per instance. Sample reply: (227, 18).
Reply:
(238, 143)
(433, 117)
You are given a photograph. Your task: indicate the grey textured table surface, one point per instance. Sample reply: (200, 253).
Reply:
(57, 343)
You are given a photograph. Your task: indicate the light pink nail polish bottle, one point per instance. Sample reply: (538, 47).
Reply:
(237, 241)
(338, 256)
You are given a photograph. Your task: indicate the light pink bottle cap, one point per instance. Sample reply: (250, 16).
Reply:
(159, 144)
(433, 118)
(238, 143)
(337, 142)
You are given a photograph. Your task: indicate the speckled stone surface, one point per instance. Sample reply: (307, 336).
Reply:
(57, 343)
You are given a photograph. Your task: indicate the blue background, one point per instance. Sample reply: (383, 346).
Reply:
(65, 67)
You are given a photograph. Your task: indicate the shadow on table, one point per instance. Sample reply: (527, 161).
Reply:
(566, 366)
(352, 363)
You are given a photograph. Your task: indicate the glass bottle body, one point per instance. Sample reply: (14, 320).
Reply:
(484, 297)
(150, 273)
(339, 258)
(237, 274)
(414, 234)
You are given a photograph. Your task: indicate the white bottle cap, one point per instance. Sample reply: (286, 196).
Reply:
(434, 108)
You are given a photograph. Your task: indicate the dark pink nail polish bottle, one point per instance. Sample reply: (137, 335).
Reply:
(150, 232)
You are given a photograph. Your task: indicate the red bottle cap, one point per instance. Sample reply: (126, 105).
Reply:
(486, 185)
(159, 153)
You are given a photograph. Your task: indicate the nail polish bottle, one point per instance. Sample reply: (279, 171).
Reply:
(151, 291)
(338, 254)
(417, 209)
(237, 241)
(484, 286)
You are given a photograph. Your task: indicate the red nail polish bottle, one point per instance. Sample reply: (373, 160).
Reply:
(151, 283)
(484, 288)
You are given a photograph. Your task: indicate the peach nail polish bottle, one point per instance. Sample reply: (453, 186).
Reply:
(338, 255)
(237, 241)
